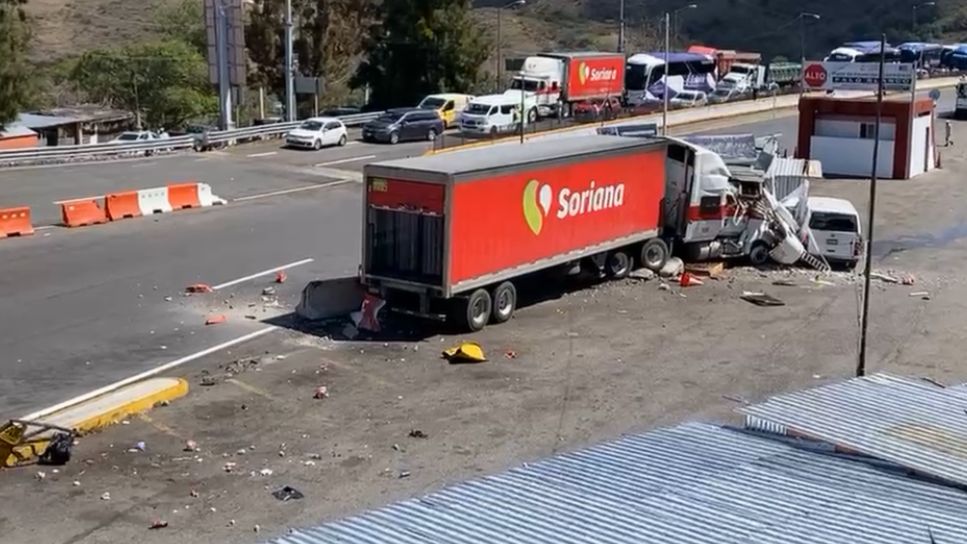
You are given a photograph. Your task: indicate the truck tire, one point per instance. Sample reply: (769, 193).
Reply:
(654, 254)
(504, 299)
(618, 265)
(759, 254)
(532, 116)
(473, 312)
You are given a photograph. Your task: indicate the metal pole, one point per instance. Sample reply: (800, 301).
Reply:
(290, 113)
(664, 109)
(522, 114)
(500, 68)
(915, 17)
(621, 26)
(864, 322)
(802, 53)
(221, 55)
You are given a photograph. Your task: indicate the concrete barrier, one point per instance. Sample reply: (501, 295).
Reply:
(325, 299)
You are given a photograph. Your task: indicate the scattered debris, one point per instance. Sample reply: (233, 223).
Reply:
(466, 352)
(908, 279)
(396, 447)
(688, 280)
(208, 381)
(138, 447)
(707, 269)
(884, 277)
(257, 528)
(321, 392)
(169, 299)
(309, 463)
(41, 475)
(367, 318)
(786, 283)
(928, 379)
(288, 493)
(268, 292)
(643, 274)
(58, 451)
(199, 288)
(193, 493)
(417, 433)
(106, 496)
(761, 299)
(920, 294)
(190, 445)
(265, 472)
(216, 319)
(229, 467)
(281, 276)
(350, 331)
(76, 483)
(158, 524)
(823, 283)
(404, 474)
(510, 354)
(663, 287)
(673, 268)
(737, 399)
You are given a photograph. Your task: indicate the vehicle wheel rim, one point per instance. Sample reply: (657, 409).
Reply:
(503, 303)
(479, 310)
(653, 256)
(431, 135)
(618, 264)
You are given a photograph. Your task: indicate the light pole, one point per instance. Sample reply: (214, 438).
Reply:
(802, 44)
(621, 26)
(918, 6)
(664, 92)
(290, 113)
(675, 17)
(500, 68)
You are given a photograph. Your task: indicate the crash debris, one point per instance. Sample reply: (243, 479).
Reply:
(465, 352)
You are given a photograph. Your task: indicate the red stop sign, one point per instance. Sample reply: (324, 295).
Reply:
(815, 75)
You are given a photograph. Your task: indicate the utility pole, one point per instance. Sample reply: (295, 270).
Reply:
(621, 26)
(802, 46)
(221, 56)
(500, 68)
(290, 113)
(864, 318)
(664, 109)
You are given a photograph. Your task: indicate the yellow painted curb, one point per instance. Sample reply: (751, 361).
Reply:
(13, 451)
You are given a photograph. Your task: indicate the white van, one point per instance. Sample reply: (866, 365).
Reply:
(835, 226)
(491, 115)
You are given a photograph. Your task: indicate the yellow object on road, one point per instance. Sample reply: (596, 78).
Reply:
(467, 352)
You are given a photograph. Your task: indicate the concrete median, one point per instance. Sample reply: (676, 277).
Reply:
(325, 299)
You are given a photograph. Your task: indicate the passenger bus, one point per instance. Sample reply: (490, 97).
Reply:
(862, 52)
(924, 56)
(645, 75)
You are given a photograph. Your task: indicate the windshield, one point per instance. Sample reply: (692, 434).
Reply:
(832, 222)
(478, 109)
(635, 77)
(736, 69)
(962, 90)
(128, 137)
(909, 55)
(529, 84)
(311, 125)
(432, 103)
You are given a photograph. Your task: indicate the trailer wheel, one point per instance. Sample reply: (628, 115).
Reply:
(654, 254)
(473, 312)
(618, 265)
(504, 302)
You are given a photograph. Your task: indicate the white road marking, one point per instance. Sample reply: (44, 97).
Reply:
(147, 374)
(266, 154)
(262, 273)
(293, 190)
(45, 227)
(350, 159)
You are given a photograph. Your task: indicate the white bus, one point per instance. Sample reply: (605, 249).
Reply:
(645, 79)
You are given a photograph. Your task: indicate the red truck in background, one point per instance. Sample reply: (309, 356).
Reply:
(446, 235)
(560, 80)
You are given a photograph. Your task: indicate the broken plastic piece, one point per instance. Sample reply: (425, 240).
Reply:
(761, 299)
(688, 280)
(467, 352)
(281, 276)
(216, 319)
(288, 493)
(198, 288)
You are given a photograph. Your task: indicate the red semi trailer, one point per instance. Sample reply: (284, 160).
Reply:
(446, 235)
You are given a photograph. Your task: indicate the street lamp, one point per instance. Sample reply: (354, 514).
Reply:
(664, 109)
(802, 42)
(918, 6)
(675, 18)
(508, 5)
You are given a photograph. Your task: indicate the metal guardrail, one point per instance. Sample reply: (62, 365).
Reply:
(72, 153)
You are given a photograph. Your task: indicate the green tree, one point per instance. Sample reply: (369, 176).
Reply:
(264, 40)
(15, 72)
(163, 84)
(328, 42)
(184, 21)
(421, 47)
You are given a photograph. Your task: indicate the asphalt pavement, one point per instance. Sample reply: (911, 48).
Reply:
(84, 307)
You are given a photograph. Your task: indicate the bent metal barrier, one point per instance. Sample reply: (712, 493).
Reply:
(129, 204)
(200, 142)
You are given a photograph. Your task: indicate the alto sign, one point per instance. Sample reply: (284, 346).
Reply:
(857, 76)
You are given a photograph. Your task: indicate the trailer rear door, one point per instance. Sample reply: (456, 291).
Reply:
(405, 229)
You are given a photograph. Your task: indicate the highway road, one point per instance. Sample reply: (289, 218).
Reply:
(81, 308)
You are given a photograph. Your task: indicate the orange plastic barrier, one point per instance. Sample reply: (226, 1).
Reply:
(80, 213)
(122, 205)
(183, 195)
(15, 222)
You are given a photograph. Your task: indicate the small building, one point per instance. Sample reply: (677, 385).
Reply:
(81, 124)
(839, 133)
(16, 136)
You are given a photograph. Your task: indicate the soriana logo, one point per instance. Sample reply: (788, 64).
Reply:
(586, 74)
(539, 201)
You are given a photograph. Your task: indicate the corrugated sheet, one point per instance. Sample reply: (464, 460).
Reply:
(910, 422)
(692, 484)
(788, 174)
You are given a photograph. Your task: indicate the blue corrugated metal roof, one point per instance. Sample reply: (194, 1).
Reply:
(692, 484)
